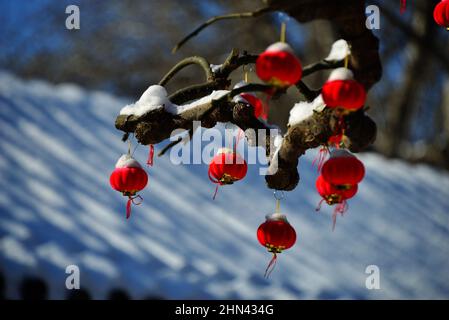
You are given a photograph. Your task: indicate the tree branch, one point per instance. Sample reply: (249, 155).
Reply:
(200, 61)
(212, 20)
(158, 124)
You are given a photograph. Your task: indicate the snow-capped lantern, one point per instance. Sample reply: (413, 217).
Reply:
(256, 103)
(342, 91)
(335, 195)
(279, 66)
(227, 167)
(441, 14)
(276, 234)
(128, 178)
(343, 168)
(260, 109)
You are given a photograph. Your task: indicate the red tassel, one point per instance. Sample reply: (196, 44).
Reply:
(128, 208)
(131, 200)
(320, 158)
(403, 6)
(271, 266)
(318, 208)
(215, 193)
(341, 208)
(217, 182)
(150, 155)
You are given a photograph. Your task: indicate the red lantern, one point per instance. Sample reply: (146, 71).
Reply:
(279, 66)
(441, 13)
(335, 194)
(128, 178)
(342, 91)
(227, 167)
(343, 168)
(277, 235)
(259, 107)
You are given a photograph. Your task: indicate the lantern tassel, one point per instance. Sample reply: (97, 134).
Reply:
(341, 208)
(131, 200)
(217, 182)
(128, 208)
(150, 155)
(320, 158)
(216, 190)
(271, 266)
(318, 208)
(403, 6)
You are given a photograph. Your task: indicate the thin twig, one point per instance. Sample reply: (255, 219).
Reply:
(200, 61)
(321, 65)
(212, 20)
(169, 146)
(195, 91)
(308, 93)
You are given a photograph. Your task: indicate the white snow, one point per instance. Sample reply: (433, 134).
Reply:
(127, 161)
(303, 110)
(154, 97)
(276, 216)
(280, 46)
(340, 49)
(341, 74)
(195, 109)
(215, 67)
(182, 244)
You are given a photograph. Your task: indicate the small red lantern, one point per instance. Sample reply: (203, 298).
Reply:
(441, 13)
(335, 194)
(259, 107)
(279, 66)
(227, 167)
(277, 235)
(128, 178)
(343, 168)
(342, 91)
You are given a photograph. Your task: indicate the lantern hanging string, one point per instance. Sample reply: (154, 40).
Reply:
(347, 60)
(283, 31)
(245, 74)
(278, 195)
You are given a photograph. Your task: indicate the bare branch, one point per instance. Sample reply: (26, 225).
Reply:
(200, 61)
(243, 15)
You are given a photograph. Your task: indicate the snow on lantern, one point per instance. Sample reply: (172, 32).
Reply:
(441, 14)
(227, 167)
(128, 178)
(335, 195)
(342, 91)
(343, 168)
(279, 66)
